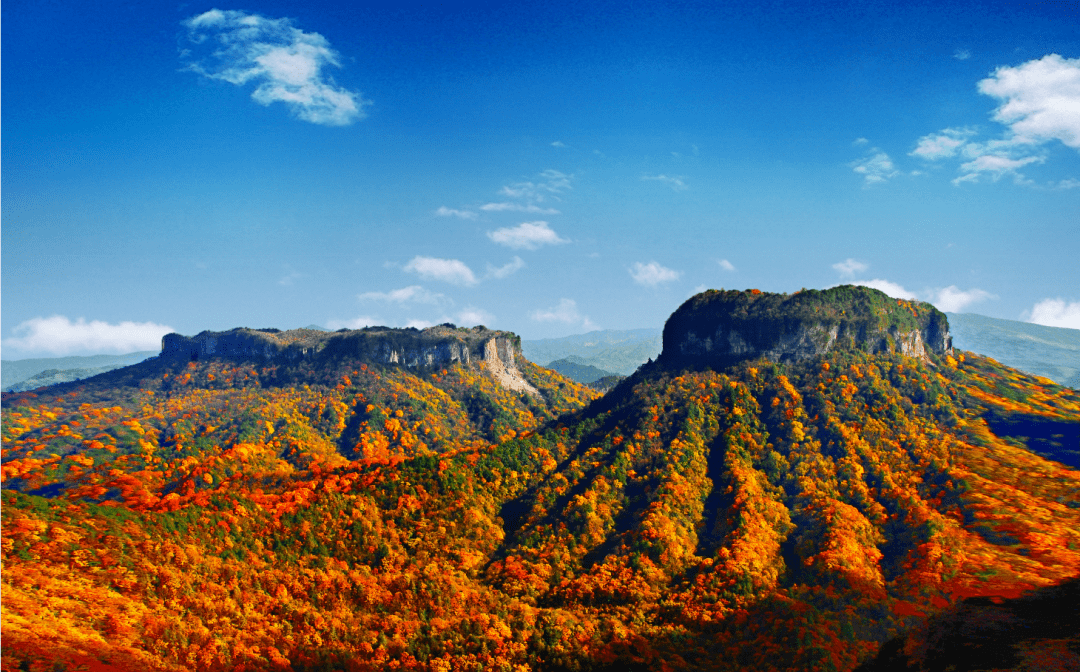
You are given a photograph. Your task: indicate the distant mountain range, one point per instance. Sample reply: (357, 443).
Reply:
(610, 350)
(1050, 352)
(576, 368)
(29, 374)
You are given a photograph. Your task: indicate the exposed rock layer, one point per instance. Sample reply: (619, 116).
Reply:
(723, 327)
(495, 351)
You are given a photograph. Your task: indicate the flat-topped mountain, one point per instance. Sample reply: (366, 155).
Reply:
(438, 346)
(720, 327)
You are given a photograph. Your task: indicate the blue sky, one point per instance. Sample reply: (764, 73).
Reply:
(546, 169)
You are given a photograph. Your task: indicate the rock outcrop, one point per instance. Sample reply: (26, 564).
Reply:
(442, 345)
(723, 327)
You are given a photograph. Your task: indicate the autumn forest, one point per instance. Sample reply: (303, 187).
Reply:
(338, 511)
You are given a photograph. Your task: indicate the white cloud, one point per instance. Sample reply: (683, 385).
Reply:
(949, 299)
(652, 274)
(527, 236)
(471, 316)
(995, 166)
(1069, 183)
(875, 168)
(355, 323)
(518, 207)
(676, 182)
(962, 54)
(1056, 313)
(860, 141)
(891, 288)
(558, 143)
(446, 270)
(941, 145)
(1039, 103)
(59, 335)
(285, 62)
(1041, 99)
(410, 294)
(505, 271)
(850, 267)
(726, 265)
(952, 299)
(444, 211)
(552, 183)
(565, 312)
(418, 324)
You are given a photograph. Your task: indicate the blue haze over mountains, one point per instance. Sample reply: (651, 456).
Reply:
(1051, 352)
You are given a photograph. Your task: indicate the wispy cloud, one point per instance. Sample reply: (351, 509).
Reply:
(444, 211)
(566, 312)
(526, 236)
(551, 183)
(499, 272)
(875, 168)
(676, 182)
(952, 299)
(472, 316)
(726, 265)
(652, 274)
(284, 62)
(58, 335)
(517, 207)
(1056, 313)
(355, 323)
(1038, 103)
(558, 143)
(849, 267)
(943, 144)
(410, 294)
(452, 271)
(995, 166)
(962, 54)
(949, 299)
(891, 288)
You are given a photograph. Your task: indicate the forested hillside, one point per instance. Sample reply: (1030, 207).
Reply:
(253, 513)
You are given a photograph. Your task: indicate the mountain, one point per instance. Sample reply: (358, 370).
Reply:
(575, 367)
(18, 370)
(55, 376)
(1050, 352)
(620, 352)
(795, 481)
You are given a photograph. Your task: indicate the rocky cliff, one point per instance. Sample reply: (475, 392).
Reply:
(442, 345)
(720, 327)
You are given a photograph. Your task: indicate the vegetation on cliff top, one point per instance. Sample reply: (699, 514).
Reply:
(858, 311)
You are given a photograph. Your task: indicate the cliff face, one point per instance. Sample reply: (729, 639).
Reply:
(722, 327)
(494, 351)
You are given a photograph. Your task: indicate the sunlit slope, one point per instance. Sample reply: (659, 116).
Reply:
(167, 429)
(352, 516)
(860, 489)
